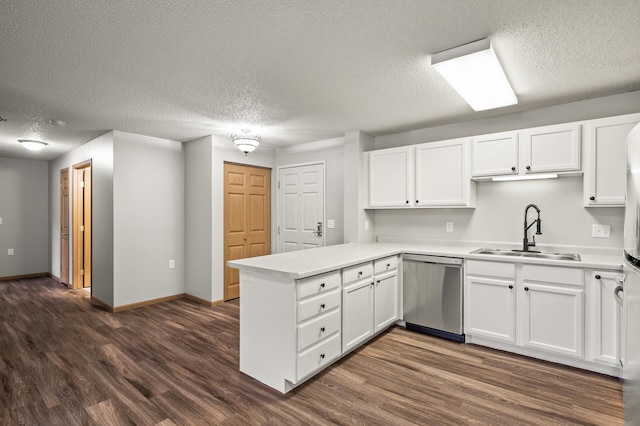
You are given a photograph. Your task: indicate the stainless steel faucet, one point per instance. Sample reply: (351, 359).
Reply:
(525, 241)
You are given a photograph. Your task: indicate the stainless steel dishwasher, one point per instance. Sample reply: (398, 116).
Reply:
(432, 295)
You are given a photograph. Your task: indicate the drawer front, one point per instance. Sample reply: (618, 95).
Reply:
(317, 329)
(553, 274)
(387, 264)
(490, 269)
(318, 305)
(316, 357)
(318, 284)
(357, 272)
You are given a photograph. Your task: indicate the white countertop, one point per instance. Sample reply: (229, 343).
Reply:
(305, 263)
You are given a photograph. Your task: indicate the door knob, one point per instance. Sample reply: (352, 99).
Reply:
(318, 231)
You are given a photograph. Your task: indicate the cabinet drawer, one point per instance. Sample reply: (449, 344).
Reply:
(318, 305)
(357, 272)
(318, 284)
(553, 274)
(318, 356)
(317, 329)
(490, 269)
(387, 264)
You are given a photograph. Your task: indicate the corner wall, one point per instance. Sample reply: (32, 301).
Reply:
(24, 211)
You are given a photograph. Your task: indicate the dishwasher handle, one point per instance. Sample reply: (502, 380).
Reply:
(432, 259)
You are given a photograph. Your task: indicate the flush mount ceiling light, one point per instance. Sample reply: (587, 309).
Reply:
(57, 123)
(246, 142)
(32, 145)
(475, 73)
(525, 177)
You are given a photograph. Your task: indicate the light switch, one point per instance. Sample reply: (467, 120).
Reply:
(10, 252)
(601, 231)
(0, 221)
(331, 224)
(172, 264)
(366, 225)
(449, 227)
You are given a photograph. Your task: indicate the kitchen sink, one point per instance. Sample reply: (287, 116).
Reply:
(554, 256)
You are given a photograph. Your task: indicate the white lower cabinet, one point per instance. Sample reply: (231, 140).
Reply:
(606, 317)
(357, 316)
(385, 307)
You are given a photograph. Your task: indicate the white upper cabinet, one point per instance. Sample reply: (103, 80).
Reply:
(442, 174)
(495, 154)
(605, 168)
(391, 177)
(550, 148)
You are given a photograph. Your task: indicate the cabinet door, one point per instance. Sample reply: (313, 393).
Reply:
(442, 174)
(385, 301)
(551, 148)
(553, 318)
(389, 177)
(605, 171)
(357, 320)
(606, 314)
(495, 154)
(490, 308)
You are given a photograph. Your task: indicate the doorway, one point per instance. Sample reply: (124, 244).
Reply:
(247, 218)
(301, 207)
(82, 224)
(64, 226)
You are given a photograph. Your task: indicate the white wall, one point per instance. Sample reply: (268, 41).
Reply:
(332, 153)
(499, 213)
(24, 213)
(100, 151)
(359, 223)
(148, 218)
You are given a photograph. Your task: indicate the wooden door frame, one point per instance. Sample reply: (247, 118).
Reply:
(64, 223)
(225, 218)
(324, 199)
(81, 243)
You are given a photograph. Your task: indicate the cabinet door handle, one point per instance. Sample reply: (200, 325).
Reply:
(407, 201)
(528, 167)
(322, 329)
(510, 287)
(360, 273)
(526, 289)
(322, 306)
(417, 201)
(592, 198)
(321, 356)
(616, 293)
(598, 277)
(322, 285)
(513, 169)
(388, 265)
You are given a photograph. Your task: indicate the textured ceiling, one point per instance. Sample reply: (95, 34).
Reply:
(295, 71)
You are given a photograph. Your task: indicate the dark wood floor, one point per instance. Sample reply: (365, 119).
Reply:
(63, 362)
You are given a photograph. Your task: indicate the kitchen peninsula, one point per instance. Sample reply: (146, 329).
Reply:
(301, 311)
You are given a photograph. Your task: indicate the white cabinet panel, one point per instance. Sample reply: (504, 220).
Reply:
(494, 154)
(490, 308)
(442, 174)
(605, 169)
(357, 302)
(606, 318)
(551, 148)
(317, 329)
(385, 301)
(553, 319)
(390, 177)
(316, 357)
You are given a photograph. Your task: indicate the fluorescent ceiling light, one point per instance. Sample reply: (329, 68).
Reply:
(526, 177)
(32, 145)
(475, 72)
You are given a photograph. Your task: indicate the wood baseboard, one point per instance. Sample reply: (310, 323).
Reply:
(203, 301)
(25, 276)
(148, 302)
(100, 304)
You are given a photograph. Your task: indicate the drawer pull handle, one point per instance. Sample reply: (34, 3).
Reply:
(388, 265)
(598, 277)
(513, 169)
(510, 286)
(322, 329)
(528, 167)
(360, 273)
(322, 285)
(526, 289)
(321, 356)
(592, 198)
(322, 306)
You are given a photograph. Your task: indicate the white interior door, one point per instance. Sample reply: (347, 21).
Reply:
(301, 192)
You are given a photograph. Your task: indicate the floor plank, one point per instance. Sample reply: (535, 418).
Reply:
(65, 362)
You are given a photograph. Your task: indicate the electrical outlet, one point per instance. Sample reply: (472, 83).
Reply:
(0, 221)
(601, 231)
(10, 252)
(331, 224)
(366, 225)
(449, 227)
(172, 264)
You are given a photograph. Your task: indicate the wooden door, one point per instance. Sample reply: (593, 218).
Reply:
(247, 219)
(82, 224)
(64, 226)
(301, 207)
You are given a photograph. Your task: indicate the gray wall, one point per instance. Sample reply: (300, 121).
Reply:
(100, 151)
(148, 218)
(332, 153)
(499, 213)
(24, 213)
